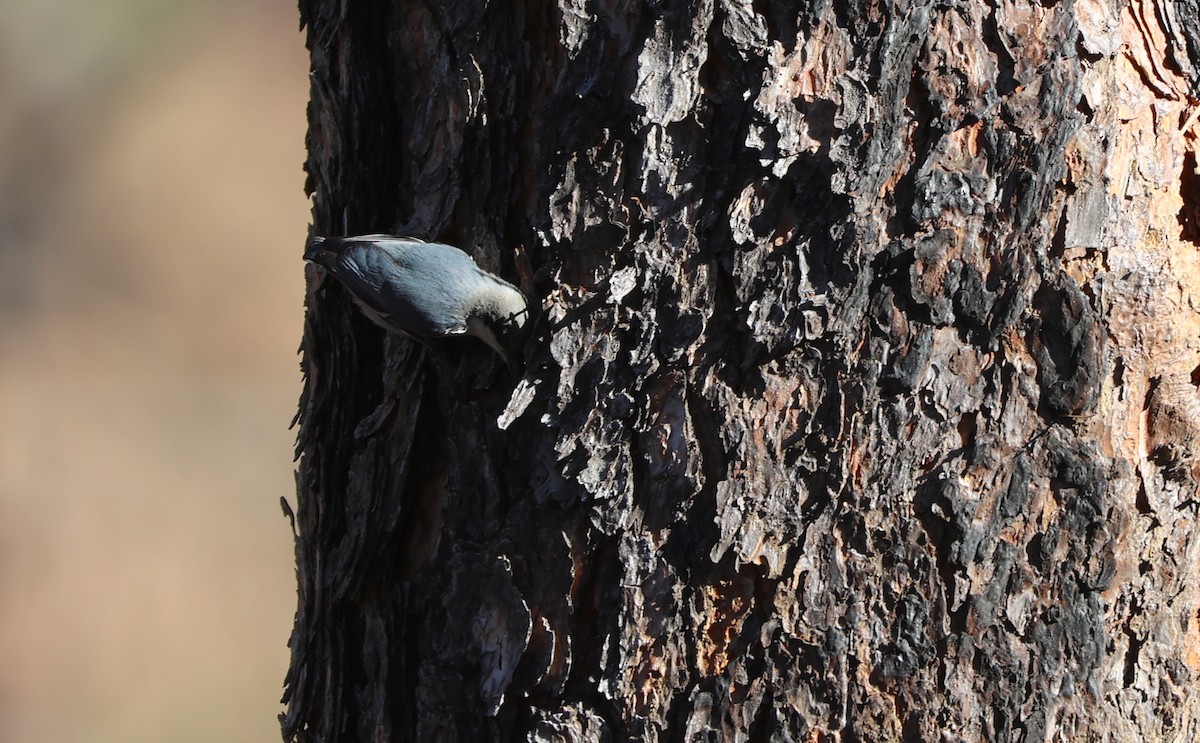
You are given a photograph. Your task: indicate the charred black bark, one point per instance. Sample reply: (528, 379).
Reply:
(861, 402)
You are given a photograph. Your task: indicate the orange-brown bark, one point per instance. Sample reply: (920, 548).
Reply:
(863, 400)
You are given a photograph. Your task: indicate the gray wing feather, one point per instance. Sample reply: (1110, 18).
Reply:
(386, 273)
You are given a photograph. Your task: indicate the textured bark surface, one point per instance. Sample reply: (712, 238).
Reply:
(862, 402)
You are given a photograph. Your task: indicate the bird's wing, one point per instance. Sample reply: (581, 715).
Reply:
(384, 276)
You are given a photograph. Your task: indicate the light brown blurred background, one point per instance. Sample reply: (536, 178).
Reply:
(152, 217)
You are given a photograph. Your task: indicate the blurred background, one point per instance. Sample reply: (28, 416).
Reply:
(152, 217)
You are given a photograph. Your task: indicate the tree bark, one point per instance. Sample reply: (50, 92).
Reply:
(861, 403)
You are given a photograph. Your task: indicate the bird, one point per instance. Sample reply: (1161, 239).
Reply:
(425, 290)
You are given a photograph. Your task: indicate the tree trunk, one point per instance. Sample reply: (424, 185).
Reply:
(861, 403)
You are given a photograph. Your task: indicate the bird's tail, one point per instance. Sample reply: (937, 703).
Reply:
(315, 248)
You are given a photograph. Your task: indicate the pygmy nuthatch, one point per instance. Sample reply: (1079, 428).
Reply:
(425, 290)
